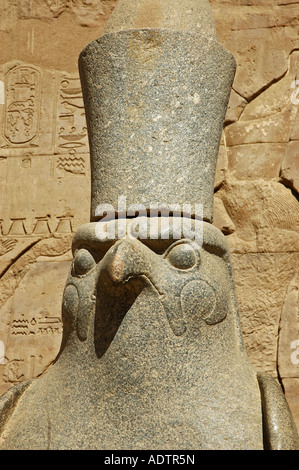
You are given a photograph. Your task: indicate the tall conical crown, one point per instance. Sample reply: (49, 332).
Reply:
(156, 86)
(175, 15)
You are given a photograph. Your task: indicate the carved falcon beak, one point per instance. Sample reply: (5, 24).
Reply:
(185, 290)
(174, 276)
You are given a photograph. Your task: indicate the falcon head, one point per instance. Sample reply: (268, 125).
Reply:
(193, 281)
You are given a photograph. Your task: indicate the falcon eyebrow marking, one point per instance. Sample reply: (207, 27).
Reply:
(215, 249)
(215, 242)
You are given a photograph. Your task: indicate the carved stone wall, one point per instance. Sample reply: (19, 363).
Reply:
(257, 203)
(45, 181)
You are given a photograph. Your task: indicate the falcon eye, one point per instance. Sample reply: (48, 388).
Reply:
(83, 262)
(182, 256)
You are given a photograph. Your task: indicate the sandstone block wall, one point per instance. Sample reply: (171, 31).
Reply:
(45, 182)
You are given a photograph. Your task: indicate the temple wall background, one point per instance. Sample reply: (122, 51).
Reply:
(44, 175)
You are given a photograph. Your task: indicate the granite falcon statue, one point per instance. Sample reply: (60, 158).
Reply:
(152, 355)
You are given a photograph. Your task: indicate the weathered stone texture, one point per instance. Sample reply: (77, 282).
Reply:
(45, 181)
(257, 203)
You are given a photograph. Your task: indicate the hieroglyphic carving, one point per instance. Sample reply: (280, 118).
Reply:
(28, 110)
(22, 104)
(71, 126)
(6, 245)
(37, 98)
(43, 324)
(41, 227)
(64, 225)
(44, 149)
(19, 369)
(72, 132)
(13, 370)
(35, 326)
(17, 227)
(71, 163)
